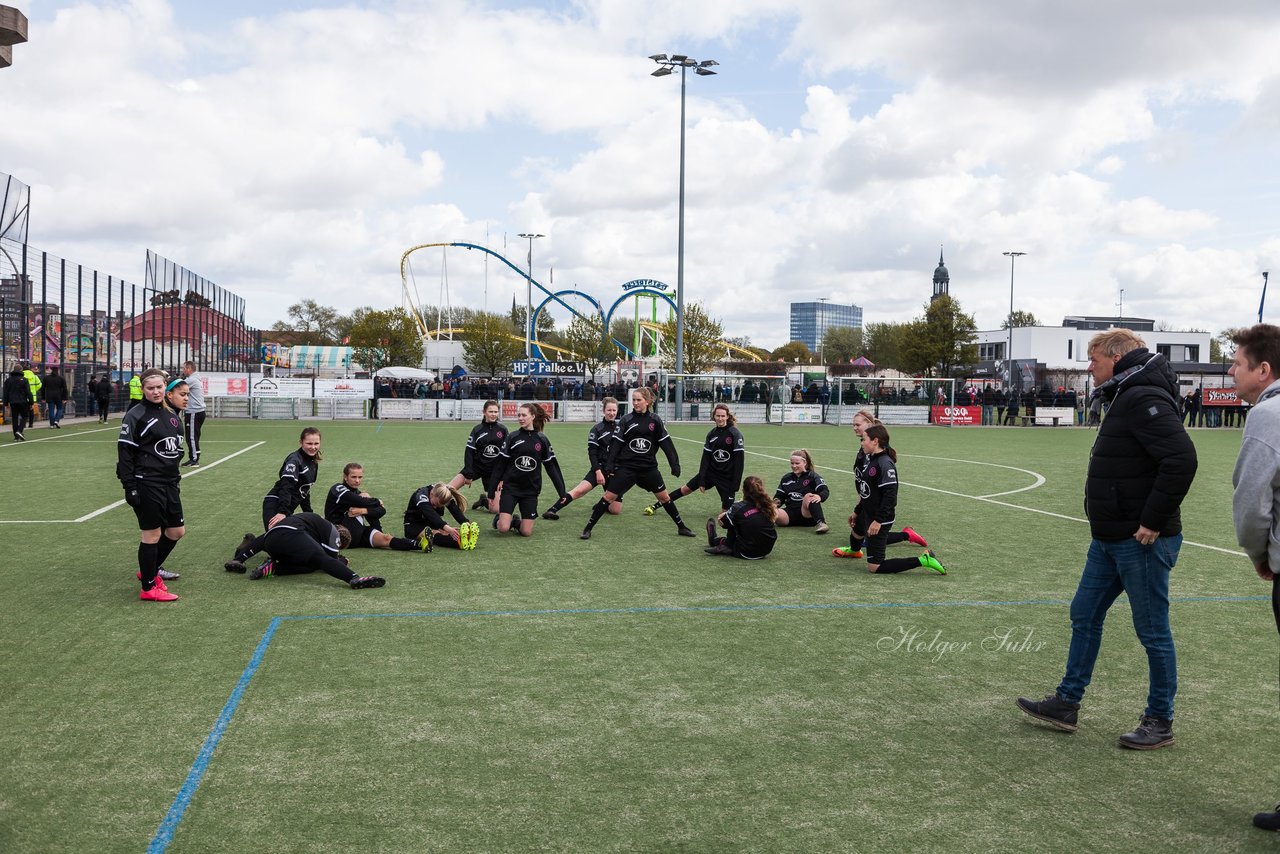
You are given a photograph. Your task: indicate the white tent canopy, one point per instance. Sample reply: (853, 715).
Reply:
(396, 372)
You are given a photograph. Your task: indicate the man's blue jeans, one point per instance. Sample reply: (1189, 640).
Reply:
(56, 409)
(1141, 572)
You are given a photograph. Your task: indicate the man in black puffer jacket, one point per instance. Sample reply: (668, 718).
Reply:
(1140, 469)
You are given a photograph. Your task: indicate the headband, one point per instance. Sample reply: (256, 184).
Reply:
(171, 386)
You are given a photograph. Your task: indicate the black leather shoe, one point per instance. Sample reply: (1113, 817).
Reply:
(1150, 733)
(1053, 710)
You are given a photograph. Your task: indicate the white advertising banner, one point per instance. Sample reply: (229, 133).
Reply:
(225, 385)
(802, 414)
(578, 410)
(280, 387)
(358, 389)
(472, 410)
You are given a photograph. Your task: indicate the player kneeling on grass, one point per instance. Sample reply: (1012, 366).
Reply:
(861, 421)
(424, 524)
(748, 524)
(519, 470)
(360, 513)
(301, 543)
(877, 506)
(800, 495)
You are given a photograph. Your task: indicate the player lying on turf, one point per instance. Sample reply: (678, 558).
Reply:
(303, 542)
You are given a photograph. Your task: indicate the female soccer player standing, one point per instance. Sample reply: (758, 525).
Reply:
(633, 460)
(599, 439)
(483, 446)
(861, 421)
(149, 450)
(874, 514)
(297, 475)
(748, 524)
(424, 520)
(722, 461)
(800, 495)
(518, 471)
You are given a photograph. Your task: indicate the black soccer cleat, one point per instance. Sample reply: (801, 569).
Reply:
(585, 535)
(685, 532)
(551, 515)
(235, 566)
(367, 581)
(711, 532)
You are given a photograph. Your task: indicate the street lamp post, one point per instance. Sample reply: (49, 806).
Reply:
(702, 69)
(528, 301)
(1008, 357)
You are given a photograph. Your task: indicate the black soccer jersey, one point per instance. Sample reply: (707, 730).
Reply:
(524, 456)
(314, 526)
(341, 498)
(483, 447)
(794, 487)
(421, 513)
(723, 457)
(636, 444)
(150, 445)
(877, 482)
(599, 441)
(755, 534)
(293, 488)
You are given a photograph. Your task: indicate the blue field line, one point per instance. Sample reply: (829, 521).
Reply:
(164, 834)
(694, 609)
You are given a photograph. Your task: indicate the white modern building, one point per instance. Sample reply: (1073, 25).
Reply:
(1063, 350)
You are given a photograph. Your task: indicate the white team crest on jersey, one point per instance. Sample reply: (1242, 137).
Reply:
(720, 455)
(169, 447)
(526, 464)
(489, 451)
(639, 446)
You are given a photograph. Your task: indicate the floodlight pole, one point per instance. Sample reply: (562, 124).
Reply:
(1008, 357)
(702, 69)
(528, 300)
(1265, 274)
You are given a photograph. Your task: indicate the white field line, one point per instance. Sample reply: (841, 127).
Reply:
(989, 499)
(115, 504)
(67, 435)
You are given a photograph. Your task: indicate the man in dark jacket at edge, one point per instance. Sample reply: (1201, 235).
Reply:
(1140, 469)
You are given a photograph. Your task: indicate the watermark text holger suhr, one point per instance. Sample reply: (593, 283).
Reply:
(1001, 640)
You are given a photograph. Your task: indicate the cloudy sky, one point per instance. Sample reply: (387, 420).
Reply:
(297, 148)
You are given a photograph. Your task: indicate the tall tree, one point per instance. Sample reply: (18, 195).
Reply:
(1019, 319)
(314, 323)
(623, 329)
(883, 343)
(942, 342)
(841, 344)
(792, 352)
(491, 344)
(703, 337)
(382, 337)
(583, 337)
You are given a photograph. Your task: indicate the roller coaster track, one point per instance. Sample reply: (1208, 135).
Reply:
(411, 299)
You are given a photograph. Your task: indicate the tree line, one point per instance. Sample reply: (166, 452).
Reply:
(939, 342)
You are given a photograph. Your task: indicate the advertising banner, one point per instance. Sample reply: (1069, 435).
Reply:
(281, 387)
(1220, 397)
(510, 407)
(225, 385)
(355, 389)
(960, 416)
(802, 414)
(581, 410)
(538, 368)
(472, 410)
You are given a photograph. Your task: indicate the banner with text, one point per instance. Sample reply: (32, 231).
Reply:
(538, 368)
(960, 416)
(1220, 397)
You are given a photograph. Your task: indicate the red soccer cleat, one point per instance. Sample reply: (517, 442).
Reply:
(159, 582)
(913, 537)
(157, 594)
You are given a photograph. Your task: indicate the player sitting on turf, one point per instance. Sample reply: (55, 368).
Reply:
(300, 543)
(361, 514)
(424, 524)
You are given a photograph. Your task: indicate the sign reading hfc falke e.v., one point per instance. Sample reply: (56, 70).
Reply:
(537, 368)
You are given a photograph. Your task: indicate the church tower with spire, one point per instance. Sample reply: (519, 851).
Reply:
(941, 279)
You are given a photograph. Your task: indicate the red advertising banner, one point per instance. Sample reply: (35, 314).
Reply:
(510, 407)
(1219, 397)
(960, 416)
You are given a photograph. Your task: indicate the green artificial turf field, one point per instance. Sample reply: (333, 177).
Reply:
(623, 694)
